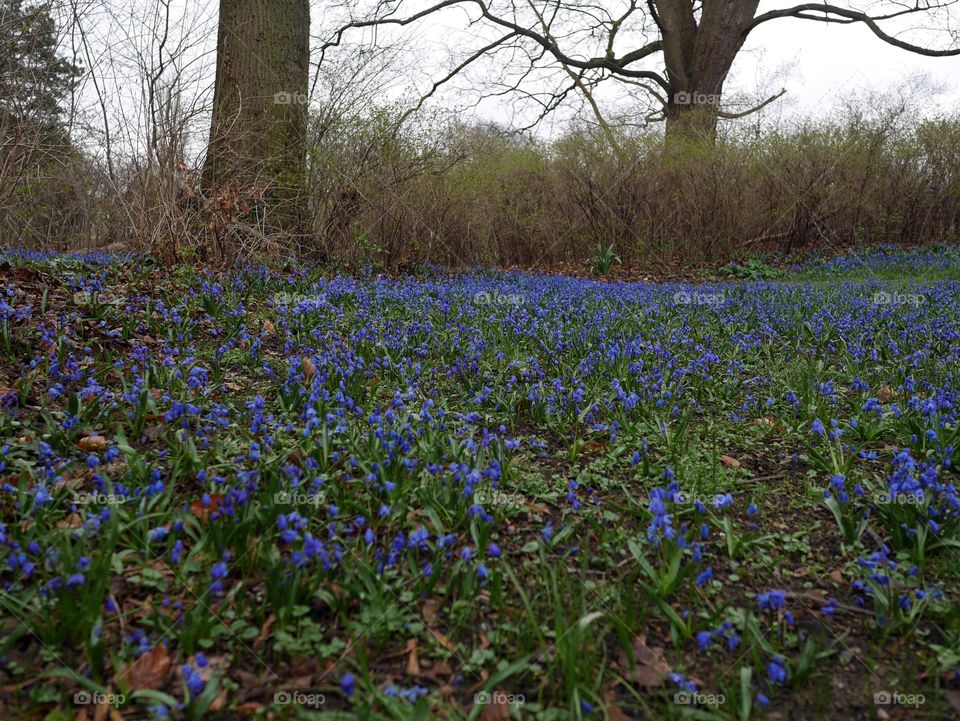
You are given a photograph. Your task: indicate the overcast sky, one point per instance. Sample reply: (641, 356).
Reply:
(822, 66)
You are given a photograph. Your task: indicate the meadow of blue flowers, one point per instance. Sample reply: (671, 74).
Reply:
(280, 493)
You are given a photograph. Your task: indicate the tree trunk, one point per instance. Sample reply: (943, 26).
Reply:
(698, 56)
(257, 149)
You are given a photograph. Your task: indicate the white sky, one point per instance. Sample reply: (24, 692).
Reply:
(822, 66)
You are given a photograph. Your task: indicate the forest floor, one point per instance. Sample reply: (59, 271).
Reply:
(275, 493)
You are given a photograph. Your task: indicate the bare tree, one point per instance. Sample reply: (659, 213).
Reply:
(678, 52)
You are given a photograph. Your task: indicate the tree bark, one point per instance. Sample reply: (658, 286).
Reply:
(698, 58)
(259, 126)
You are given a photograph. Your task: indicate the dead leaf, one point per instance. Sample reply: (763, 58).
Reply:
(92, 444)
(250, 707)
(953, 698)
(203, 512)
(885, 393)
(443, 640)
(836, 576)
(651, 668)
(101, 711)
(71, 521)
(268, 327)
(309, 369)
(614, 711)
(730, 461)
(413, 662)
(431, 611)
(147, 672)
(219, 702)
(495, 709)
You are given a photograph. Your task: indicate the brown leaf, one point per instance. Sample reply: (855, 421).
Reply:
(431, 611)
(885, 393)
(613, 709)
(730, 461)
(836, 576)
(651, 668)
(250, 707)
(308, 368)
(92, 444)
(953, 698)
(219, 702)
(72, 521)
(268, 327)
(495, 709)
(413, 662)
(203, 512)
(443, 640)
(150, 671)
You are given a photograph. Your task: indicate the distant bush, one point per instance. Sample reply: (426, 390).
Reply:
(477, 195)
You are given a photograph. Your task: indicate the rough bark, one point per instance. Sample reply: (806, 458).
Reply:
(698, 58)
(258, 131)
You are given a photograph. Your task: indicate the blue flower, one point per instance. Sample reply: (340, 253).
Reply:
(348, 684)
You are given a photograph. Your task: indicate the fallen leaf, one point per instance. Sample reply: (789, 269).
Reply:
(219, 702)
(308, 368)
(431, 611)
(203, 512)
(268, 327)
(92, 444)
(495, 709)
(614, 711)
(953, 698)
(885, 393)
(730, 461)
(72, 521)
(443, 640)
(147, 672)
(651, 668)
(101, 711)
(836, 576)
(413, 663)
